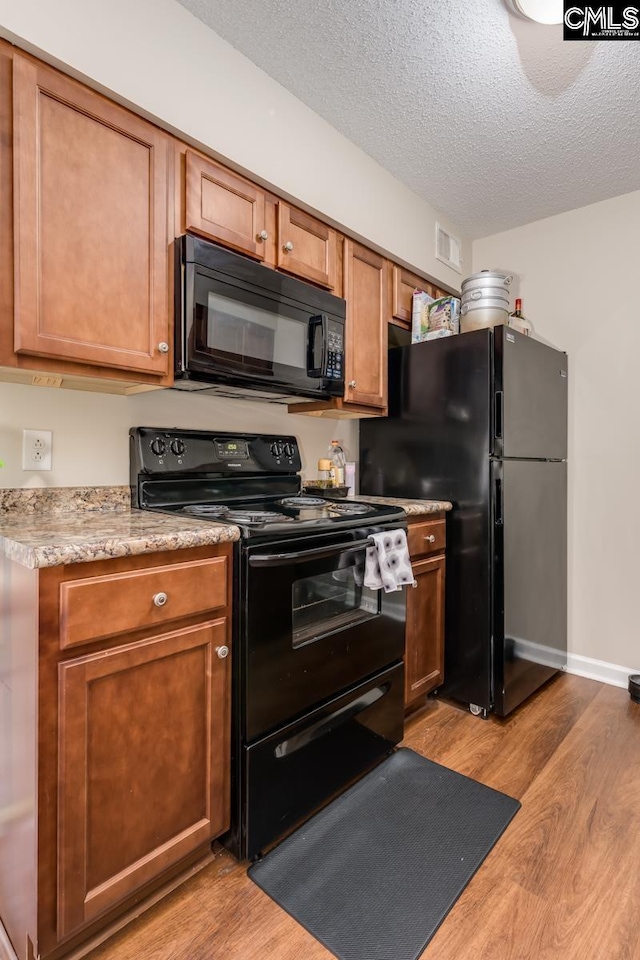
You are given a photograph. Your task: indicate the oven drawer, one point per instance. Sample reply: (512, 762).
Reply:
(296, 770)
(426, 538)
(96, 607)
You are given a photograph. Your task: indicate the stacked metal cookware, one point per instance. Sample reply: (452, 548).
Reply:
(485, 300)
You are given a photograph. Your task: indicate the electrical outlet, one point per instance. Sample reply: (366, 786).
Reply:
(36, 449)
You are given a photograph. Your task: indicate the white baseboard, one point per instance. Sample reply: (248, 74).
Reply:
(600, 670)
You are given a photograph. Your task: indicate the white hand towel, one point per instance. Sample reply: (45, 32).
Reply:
(387, 563)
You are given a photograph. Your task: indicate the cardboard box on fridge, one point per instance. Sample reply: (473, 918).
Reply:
(432, 319)
(444, 314)
(420, 315)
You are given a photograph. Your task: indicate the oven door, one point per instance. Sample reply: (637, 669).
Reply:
(310, 628)
(243, 336)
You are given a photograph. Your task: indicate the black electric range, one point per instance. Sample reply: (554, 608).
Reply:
(317, 672)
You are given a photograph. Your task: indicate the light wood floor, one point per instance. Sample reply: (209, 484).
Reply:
(563, 883)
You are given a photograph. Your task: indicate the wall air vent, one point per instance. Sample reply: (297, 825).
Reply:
(448, 249)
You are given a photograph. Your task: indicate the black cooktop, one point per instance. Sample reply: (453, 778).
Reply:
(249, 480)
(290, 515)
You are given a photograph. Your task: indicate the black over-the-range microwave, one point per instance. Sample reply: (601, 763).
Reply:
(243, 329)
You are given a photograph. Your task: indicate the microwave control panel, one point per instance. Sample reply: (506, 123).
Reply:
(335, 353)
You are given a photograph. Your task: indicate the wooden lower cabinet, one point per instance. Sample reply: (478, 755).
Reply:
(118, 774)
(424, 643)
(143, 756)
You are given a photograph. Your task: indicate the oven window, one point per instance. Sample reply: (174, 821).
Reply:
(251, 336)
(330, 601)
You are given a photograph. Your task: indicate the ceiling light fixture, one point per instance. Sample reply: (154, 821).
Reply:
(542, 11)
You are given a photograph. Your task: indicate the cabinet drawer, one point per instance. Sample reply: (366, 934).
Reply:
(426, 538)
(98, 607)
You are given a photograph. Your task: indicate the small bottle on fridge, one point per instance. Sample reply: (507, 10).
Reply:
(518, 321)
(337, 457)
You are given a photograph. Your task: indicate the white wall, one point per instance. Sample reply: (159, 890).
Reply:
(155, 55)
(577, 274)
(90, 431)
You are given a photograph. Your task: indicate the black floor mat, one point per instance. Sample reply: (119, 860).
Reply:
(374, 874)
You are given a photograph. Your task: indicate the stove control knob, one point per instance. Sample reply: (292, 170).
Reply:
(222, 652)
(158, 446)
(276, 448)
(177, 447)
(288, 449)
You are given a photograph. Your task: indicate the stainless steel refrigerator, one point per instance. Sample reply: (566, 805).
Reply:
(481, 419)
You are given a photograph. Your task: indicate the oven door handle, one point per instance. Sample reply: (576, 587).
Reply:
(282, 559)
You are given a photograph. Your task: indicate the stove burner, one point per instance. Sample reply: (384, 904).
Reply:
(303, 502)
(207, 509)
(352, 509)
(255, 516)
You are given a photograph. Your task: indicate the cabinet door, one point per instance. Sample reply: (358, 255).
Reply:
(306, 247)
(144, 740)
(404, 283)
(366, 286)
(91, 280)
(222, 206)
(424, 650)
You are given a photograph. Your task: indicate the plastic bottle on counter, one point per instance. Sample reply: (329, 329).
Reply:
(324, 473)
(350, 478)
(337, 458)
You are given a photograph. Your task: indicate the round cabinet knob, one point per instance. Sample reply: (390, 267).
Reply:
(430, 538)
(163, 347)
(160, 599)
(353, 384)
(222, 652)
(263, 235)
(288, 247)
(158, 446)
(177, 447)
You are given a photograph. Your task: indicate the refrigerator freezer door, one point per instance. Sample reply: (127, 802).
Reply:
(530, 399)
(436, 441)
(530, 577)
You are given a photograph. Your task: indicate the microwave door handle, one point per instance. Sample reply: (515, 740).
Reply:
(315, 363)
(282, 559)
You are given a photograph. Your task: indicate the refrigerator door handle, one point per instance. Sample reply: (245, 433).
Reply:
(498, 414)
(497, 509)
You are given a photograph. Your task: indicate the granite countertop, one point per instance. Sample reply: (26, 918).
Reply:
(51, 527)
(37, 532)
(413, 508)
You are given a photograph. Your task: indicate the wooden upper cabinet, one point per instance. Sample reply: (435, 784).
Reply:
(223, 206)
(366, 290)
(306, 246)
(90, 226)
(404, 283)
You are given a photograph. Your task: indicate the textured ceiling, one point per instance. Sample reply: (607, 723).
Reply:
(494, 120)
